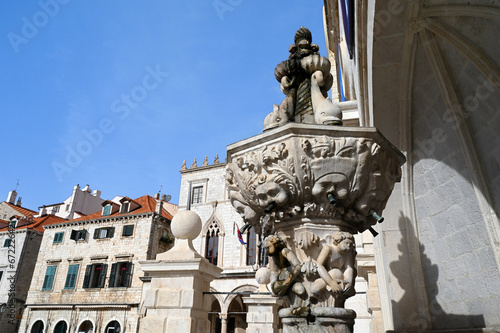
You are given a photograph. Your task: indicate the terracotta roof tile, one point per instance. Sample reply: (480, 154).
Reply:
(38, 223)
(22, 210)
(146, 204)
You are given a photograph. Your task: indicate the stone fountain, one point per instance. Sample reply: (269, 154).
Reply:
(307, 184)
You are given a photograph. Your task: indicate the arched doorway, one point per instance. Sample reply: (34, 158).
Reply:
(113, 327)
(37, 327)
(61, 327)
(86, 327)
(237, 315)
(213, 317)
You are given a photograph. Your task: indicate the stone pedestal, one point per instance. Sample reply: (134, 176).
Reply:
(262, 313)
(318, 320)
(175, 300)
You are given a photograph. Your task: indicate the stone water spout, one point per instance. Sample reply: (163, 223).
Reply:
(307, 184)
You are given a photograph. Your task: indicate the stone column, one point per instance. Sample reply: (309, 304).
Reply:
(223, 322)
(174, 301)
(262, 316)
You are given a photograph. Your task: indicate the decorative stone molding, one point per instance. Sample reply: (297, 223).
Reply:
(337, 175)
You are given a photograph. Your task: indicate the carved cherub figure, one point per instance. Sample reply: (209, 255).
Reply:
(285, 268)
(335, 266)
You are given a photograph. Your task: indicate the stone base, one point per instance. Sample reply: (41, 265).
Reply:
(317, 320)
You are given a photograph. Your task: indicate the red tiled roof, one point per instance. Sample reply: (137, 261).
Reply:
(38, 223)
(146, 203)
(22, 210)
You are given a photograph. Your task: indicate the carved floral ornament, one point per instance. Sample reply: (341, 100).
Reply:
(343, 179)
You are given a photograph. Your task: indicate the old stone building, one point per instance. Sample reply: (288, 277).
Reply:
(20, 239)
(87, 275)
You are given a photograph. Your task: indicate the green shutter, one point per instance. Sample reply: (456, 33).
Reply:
(128, 230)
(112, 275)
(58, 237)
(49, 278)
(71, 277)
(88, 272)
(128, 279)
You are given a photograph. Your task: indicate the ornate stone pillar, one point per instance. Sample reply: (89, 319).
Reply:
(174, 300)
(307, 185)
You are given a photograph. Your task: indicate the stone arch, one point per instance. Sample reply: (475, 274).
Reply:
(213, 223)
(56, 323)
(80, 323)
(231, 297)
(38, 319)
(109, 321)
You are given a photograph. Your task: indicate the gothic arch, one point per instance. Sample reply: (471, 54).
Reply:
(214, 224)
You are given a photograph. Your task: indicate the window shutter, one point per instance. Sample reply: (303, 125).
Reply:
(130, 269)
(128, 230)
(111, 232)
(96, 233)
(73, 235)
(49, 278)
(102, 276)
(71, 277)
(88, 272)
(84, 235)
(112, 275)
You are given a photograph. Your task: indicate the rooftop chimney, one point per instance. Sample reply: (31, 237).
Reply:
(164, 197)
(12, 197)
(157, 196)
(19, 201)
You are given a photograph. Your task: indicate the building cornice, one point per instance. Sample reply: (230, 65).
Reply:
(104, 219)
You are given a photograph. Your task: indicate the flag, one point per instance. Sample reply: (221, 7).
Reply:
(240, 237)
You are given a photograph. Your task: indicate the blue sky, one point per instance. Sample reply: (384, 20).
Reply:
(116, 94)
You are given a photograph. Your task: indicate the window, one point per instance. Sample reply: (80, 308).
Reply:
(128, 230)
(101, 233)
(78, 235)
(251, 247)
(49, 278)
(71, 277)
(113, 327)
(37, 327)
(106, 210)
(121, 274)
(197, 195)
(95, 276)
(58, 237)
(13, 224)
(7, 242)
(124, 207)
(1, 273)
(61, 327)
(212, 243)
(67, 208)
(56, 209)
(86, 327)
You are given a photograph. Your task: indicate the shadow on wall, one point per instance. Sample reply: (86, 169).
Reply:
(439, 319)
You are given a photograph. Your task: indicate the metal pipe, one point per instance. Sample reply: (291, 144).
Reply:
(270, 208)
(331, 198)
(377, 217)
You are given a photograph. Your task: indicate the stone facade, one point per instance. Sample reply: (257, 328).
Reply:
(425, 73)
(96, 279)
